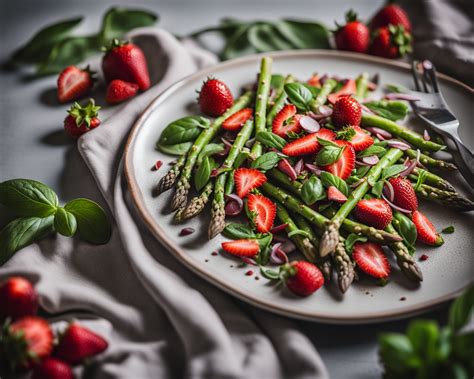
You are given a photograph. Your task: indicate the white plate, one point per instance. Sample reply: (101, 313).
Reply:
(448, 270)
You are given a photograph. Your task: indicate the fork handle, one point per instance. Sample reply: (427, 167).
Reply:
(465, 161)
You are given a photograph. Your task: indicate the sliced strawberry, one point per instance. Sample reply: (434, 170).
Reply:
(74, 83)
(302, 146)
(314, 81)
(425, 229)
(348, 89)
(346, 162)
(361, 140)
(242, 248)
(238, 119)
(374, 212)
(265, 212)
(371, 259)
(404, 193)
(286, 121)
(247, 179)
(335, 195)
(326, 134)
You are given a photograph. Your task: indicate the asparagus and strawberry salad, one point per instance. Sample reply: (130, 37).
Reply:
(315, 166)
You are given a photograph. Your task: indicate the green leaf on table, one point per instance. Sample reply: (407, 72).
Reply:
(448, 230)
(239, 231)
(461, 310)
(463, 346)
(299, 95)
(178, 149)
(21, 232)
(352, 239)
(271, 140)
(391, 109)
(266, 161)
(390, 171)
(328, 155)
(304, 35)
(265, 37)
(185, 129)
(203, 173)
(312, 190)
(38, 47)
(28, 197)
(424, 335)
(118, 21)
(92, 222)
(405, 227)
(397, 353)
(65, 222)
(371, 150)
(238, 44)
(329, 180)
(378, 188)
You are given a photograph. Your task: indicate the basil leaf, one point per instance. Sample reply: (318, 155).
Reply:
(462, 310)
(209, 150)
(39, 46)
(378, 188)
(298, 232)
(118, 21)
(277, 81)
(396, 352)
(405, 227)
(312, 190)
(314, 90)
(238, 43)
(304, 35)
(22, 232)
(448, 230)
(264, 37)
(424, 336)
(371, 150)
(352, 239)
(298, 95)
(388, 172)
(239, 231)
(326, 143)
(266, 161)
(241, 158)
(271, 140)
(203, 173)
(263, 256)
(328, 155)
(178, 149)
(269, 274)
(28, 197)
(391, 109)
(346, 133)
(65, 223)
(422, 174)
(329, 180)
(92, 222)
(185, 129)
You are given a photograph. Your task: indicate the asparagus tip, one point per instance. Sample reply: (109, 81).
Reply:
(329, 240)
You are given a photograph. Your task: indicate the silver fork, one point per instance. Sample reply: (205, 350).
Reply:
(432, 109)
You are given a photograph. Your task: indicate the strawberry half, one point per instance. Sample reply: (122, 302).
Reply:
(247, 179)
(302, 278)
(265, 212)
(52, 368)
(374, 212)
(18, 298)
(335, 195)
(346, 111)
(79, 343)
(120, 90)
(308, 144)
(425, 229)
(74, 83)
(346, 162)
(215, 97)
(404, 193)
(371, 259)
(237, 120)
(361, 140)
(242, 248)
(348, 89)
(286, 121)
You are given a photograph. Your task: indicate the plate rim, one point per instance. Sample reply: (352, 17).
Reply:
(178, 253)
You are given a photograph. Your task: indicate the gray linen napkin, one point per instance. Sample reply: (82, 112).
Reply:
(162, 321)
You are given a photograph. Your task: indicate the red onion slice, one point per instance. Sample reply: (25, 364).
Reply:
(226, 142)
(299, 166)
(278, 228)
(277, 256)
(325, 110)
(403, 210)
(398, 144)
(388, 190)
(229, 136)
(370, 160)
(426, 135)
(288, 247)
(309, 124)
(250, 142)
(360, 163)
(234, 205)
(285, 167)
(313, 169)
(409, 169)
(375, 130)
(401, 96)
(249, 261)
(380, 137)
(366, 109)
(315, 116)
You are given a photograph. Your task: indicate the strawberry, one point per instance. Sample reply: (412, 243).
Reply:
(301, 277)
(238, 119)
(308, 144)
(390, 14)
(215, 97)
(326, 134)
(335, 195)
(52, 368)
(314, 81)
(371, 259)
(391, 42)
(242, 248)
(346, 111)
(348, 89)
(81, 119)
(404, 193)
(247, 179)
(354, 36)
(346, 162)
(361, 140)
(78, 343)
(120, 90)
(27, 340)
(125, 61)
(17, 298)
(264, 210)
(74, 83)
(286, 121)
(374, 212)
(425, 229)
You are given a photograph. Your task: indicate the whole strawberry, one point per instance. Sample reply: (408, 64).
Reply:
(391, 42)
(301, 277)
(78, 343)
(26, 341)
(215, 97)
(52, 368)
(18, 298)
(404, 193)
(354, 36)
(119, 90)
(126, 61)
(81, 119)
(74, 83)
(346, 111)
(391, 14)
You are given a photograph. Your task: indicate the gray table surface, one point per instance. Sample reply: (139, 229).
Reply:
(32, 144)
